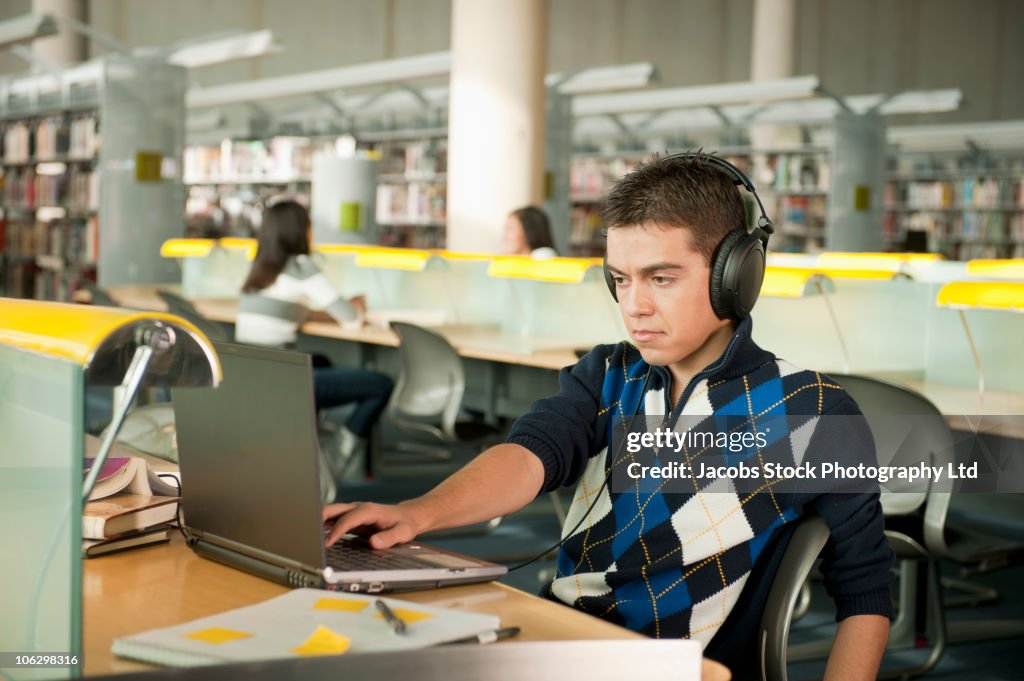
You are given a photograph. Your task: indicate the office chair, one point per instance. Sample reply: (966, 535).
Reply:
(805, 545)
(920, 527)
(427, 398)
(177, 305)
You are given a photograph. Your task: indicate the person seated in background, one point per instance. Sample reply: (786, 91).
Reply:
(282, 282)
(528, 233)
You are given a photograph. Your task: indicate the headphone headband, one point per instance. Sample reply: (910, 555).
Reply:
(738, 177)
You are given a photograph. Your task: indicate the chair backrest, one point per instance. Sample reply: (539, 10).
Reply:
(805, 545)
(431, 381)
(177, 305)
(924, 438)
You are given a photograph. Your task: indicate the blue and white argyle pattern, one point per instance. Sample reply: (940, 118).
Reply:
(673, 565)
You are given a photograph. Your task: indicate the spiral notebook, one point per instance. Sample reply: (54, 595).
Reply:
(301, 623)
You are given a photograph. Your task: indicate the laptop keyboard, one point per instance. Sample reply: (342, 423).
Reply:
(355, 556)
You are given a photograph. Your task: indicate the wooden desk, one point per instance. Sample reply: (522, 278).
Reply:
(163, 585)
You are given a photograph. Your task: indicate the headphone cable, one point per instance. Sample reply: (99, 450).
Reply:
(607, 477)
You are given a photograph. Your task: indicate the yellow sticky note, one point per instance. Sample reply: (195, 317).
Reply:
(217, 635)
(323, 642)
(408, 616)
(343, 604)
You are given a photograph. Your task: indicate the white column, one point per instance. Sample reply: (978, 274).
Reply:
(67, 47)
(772, 56)
(496, 117)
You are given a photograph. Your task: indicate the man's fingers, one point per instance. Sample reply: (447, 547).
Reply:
(396, 535)
(334, 510)
(362, 515)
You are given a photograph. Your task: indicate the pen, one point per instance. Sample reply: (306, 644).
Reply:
(396, 623)
(488, 636)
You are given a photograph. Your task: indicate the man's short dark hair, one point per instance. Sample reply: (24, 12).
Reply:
(685, 192)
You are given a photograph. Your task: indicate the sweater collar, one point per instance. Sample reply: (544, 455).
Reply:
(741, 356)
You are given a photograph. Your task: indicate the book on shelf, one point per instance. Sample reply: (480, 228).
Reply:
(124, 514)
(301, 623)
(100, 547)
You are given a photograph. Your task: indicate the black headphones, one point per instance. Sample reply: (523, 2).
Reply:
(737, 268)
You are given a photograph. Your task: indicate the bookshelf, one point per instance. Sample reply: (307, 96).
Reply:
(964, 206)
(50, 200)
(412, 192)
(793, 184)
(75, 212)
(229, 184)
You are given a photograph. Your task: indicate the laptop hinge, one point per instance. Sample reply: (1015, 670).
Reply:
(261, 563)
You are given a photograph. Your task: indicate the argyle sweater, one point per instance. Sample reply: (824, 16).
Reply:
(674, 565)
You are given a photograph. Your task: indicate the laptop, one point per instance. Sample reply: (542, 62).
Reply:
(251, 488)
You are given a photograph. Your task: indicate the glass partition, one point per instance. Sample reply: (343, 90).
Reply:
(41, 412)
(998, 336)
(217, 275)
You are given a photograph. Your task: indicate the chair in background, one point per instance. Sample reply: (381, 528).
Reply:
(921, 528)
(427, 400)
(803, 550)
(183, 308)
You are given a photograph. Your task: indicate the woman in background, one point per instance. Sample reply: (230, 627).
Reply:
(528, 233)
(283, 281)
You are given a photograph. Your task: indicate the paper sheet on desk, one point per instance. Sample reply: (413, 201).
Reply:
(299, 623)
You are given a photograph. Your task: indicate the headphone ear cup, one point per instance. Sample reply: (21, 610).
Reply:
(609, 281)
(721, 296)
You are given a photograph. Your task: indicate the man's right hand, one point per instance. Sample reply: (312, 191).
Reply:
(383, 525)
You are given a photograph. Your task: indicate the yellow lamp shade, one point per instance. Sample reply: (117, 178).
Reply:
(96, 338)
(987, 295)
(561, 270)
(1001, 269)
(186, 248)
(393, 258)
(788, 282)
(454, 255)
(893, 262)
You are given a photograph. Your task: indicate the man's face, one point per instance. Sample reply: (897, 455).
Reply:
(663, 289)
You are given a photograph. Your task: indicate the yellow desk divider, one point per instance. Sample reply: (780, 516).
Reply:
(998, 269)
(186, 248)
(457, 255)
(341, 248)
(201, 248)
(980, 295)
(791, 282)
(893, 262)
(393, 258)
(560, 270)
(987, 295)
(49, 353)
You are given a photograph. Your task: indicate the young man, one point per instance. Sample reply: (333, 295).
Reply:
(695, 565)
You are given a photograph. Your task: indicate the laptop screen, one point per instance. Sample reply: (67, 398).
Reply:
(248, 453)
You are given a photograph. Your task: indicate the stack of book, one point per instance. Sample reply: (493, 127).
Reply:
(129, 506)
